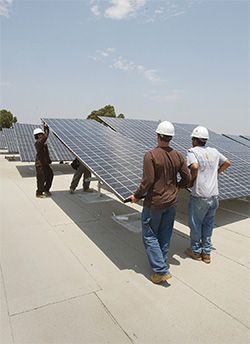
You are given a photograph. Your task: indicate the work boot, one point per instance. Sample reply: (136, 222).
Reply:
(155, 278)
(88, 190)
(206, 258)
(190, 253)
(40, 196)
(48, 193)
(71, 190)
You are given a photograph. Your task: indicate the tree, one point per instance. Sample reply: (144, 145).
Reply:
(107, 111)
(6, 119)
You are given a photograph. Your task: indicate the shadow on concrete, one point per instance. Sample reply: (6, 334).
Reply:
(232, 210)
(122, 246)
(125, 248)
(11, 157)
(229, 211)
(27, 171)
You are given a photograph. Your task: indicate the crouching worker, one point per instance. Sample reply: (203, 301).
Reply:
(80, 170)
(44, 173)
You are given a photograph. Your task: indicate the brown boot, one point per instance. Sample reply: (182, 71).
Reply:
(190, 253)
(206, 258)
(40, 196)
(155, 278)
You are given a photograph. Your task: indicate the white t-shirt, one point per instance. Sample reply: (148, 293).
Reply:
(209, 161)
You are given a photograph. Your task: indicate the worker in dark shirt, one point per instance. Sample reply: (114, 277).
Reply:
(160, 168)
(44, 173)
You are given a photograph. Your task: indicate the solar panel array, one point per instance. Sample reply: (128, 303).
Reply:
(234, 182)
(110, 156)
(26, 144)
(11, 141)
(246, 137)
(238, 139)
(2, 140)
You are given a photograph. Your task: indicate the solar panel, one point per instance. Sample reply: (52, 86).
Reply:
(143, 131)
(238, 139)
(246, 137)
(26, 144)
(2, 141)
(110, 156)
(11, 141)
(234, 182)
(223, 144)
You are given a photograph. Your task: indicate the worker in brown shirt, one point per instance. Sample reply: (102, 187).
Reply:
(159, 182)
(44, 173)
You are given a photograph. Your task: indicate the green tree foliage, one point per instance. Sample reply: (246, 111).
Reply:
(107, 111)
(6, 119)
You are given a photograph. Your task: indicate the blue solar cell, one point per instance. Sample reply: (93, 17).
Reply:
(234, 182)
(26, 144)
(11, 140)
(3, 144)
(238, 139)
(246, 137)
(113, 159)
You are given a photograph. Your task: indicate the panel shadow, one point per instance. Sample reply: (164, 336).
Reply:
(121, 245)
(28, 171)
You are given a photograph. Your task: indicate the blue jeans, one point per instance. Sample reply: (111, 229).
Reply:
(201, 212)
(157, 227)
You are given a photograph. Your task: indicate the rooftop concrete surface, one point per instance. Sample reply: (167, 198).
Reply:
(74, 269)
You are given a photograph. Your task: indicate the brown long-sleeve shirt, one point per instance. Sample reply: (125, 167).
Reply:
(42, 156)
(159, 181)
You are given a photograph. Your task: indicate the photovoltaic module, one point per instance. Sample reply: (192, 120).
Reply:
(3, 144)
(113, 158)
(234, 182)
(239, 139)
(10, 139)
(26, 144)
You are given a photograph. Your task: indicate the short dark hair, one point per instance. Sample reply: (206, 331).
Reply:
(165, 138)
(201, 142)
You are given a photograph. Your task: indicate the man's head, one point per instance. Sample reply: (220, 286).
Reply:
(165, 131)
(199, 136)
(38, 133)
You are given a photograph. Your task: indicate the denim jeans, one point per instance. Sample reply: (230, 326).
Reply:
(157, 227)
(201, 212)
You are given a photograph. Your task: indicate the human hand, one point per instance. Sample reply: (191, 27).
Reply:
(132, 199)
(44, 123)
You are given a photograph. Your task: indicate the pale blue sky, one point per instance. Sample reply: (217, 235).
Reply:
(182, 61)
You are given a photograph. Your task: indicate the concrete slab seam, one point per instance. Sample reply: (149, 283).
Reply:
(53, 303)
(113, 319)
(214, 304)
(214, 252)
(5, 294)
(75, 256)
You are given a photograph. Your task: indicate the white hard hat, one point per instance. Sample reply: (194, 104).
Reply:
(38, 131)
(165, 128)
(200, 133)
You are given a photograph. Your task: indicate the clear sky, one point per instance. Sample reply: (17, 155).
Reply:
(182, 61)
